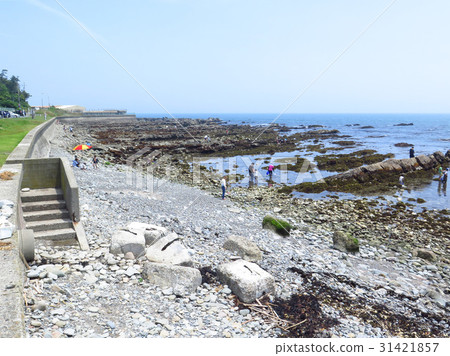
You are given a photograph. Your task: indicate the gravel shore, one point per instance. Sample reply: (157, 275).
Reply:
(97, 294)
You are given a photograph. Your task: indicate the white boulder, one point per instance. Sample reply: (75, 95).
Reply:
(182, 280)
(170, 250)
(124, 241)
(245, 248)
(247, 280)
(152, 233)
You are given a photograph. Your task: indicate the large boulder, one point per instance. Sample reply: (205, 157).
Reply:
(278, 226)
(425, 254)
(125, 241)
(247, 280)
(447, 155)
(372, 168)
(439, 156)
(169, 249)
(182, 280)
(151, 232)
(426, 161)
(345, 242)
(391, 165)
(245, 248)
(408, 164)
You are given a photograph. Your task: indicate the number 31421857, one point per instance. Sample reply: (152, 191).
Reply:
(409, 346)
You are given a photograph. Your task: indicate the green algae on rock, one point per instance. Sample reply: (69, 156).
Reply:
(279, 226)
(344, 162)
(345, 242)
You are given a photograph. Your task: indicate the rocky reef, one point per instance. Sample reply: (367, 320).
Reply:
(377, 177)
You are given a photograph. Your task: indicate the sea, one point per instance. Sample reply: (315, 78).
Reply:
(427, 132)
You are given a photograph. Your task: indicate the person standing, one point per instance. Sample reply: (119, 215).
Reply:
(95, 162)
(445, 177)
(270, 171)
(251, 172)
(402, 181)
(411, 152)
(223, 182)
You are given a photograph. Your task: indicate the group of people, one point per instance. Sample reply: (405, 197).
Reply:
(78, 164)
(443, 175)
(253, 177)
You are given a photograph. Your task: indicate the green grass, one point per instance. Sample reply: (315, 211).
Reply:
(12, 131)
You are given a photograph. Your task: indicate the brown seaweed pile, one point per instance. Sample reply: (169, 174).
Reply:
(412, 322)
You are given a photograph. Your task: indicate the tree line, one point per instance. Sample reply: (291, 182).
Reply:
(11, 96)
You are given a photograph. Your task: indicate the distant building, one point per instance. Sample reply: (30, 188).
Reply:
(71, 108)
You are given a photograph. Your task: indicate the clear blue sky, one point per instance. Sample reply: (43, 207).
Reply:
(201, 56)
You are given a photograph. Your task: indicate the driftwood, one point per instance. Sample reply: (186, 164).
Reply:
(263, 308)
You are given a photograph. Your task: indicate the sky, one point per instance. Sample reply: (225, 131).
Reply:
(231, 56)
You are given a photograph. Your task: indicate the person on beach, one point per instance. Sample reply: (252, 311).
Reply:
(440, 172)
(411, 152)
(95, 162)
(223, 183)
(401, 180)
(444, 177)
(251, 172)
(270, 171)
(76, 162)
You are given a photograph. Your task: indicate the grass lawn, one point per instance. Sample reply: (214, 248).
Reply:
(12, 131)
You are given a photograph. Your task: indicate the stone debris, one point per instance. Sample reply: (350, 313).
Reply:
(247, 280)
(104, 292)
(245, 248)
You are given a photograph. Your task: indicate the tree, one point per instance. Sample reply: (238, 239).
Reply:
(10, 94)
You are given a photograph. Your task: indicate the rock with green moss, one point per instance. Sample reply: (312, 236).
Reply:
(279, 226)
(345, 242)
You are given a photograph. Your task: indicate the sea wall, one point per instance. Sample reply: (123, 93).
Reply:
(11, 265)
(67, 120)
(35, 144)
(30, 166)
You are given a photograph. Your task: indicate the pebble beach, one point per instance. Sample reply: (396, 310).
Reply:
(74, 293)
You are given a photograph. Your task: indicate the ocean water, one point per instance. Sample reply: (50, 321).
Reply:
(427, 132)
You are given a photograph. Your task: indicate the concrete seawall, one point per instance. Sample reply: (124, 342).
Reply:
(36, 144)
(29, 156)
(32, 168)
(11, 265)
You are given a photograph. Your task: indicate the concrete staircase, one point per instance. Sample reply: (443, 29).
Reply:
(44, 212)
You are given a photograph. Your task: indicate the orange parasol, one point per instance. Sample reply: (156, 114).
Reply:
(81, 147)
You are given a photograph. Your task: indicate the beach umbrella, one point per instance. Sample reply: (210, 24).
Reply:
(81, 147)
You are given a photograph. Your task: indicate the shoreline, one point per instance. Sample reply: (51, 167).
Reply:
(178, 143)
(386, 276)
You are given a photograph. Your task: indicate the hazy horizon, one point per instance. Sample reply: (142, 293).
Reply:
(228, 56)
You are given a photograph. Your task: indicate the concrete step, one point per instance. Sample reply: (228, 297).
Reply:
(61, 234)
(46, 225)
(35, 195)
(45, 215)
(43, 205)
